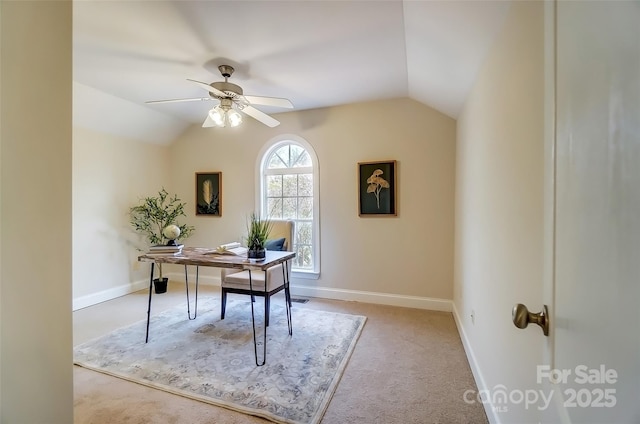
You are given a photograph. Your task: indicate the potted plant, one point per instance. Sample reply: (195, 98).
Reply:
(258, 231)
(152, 216)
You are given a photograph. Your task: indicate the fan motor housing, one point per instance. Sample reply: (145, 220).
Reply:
(227, 86)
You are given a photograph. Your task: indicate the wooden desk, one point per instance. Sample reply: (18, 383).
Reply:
(199, 256)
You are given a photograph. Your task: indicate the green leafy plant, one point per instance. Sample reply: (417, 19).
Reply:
(157, 212)
(258, 232)
(154, 214)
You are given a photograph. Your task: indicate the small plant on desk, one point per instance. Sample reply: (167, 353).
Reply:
(258, 232)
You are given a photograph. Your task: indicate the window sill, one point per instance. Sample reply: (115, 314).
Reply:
(306, 275)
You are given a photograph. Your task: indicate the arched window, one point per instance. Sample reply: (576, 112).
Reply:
(288, 170)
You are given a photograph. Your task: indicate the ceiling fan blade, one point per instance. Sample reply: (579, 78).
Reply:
(193, 99)
(208, 122)
(261, 116)
(239, 99)
(269, 101)
(209, 88)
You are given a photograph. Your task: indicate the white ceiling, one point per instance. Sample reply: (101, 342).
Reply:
(315, 53)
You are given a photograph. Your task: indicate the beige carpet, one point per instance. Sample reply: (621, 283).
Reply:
(408, 367)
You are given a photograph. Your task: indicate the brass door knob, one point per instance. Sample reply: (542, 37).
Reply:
(522, 317)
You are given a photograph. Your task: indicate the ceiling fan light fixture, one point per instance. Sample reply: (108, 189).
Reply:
(234, 118)
(218, 116)
(224, 114)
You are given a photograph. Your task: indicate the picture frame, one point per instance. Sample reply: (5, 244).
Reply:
(209, 193)
(377, 188)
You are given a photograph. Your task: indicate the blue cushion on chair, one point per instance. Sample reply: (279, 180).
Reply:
(274, 244)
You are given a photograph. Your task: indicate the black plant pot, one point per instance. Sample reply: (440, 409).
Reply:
(255, 253)
(160, 285)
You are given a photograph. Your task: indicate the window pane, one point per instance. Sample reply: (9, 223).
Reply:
(283, 152)
(274, 208)
(305, 207)
(305, 185)
(289, 185)
(274, 185)
(275, 162)
(295, 152)
(297, 261)
(306, 258)
(289, 207)
(303, 232)
(302, 160)
(279, 158)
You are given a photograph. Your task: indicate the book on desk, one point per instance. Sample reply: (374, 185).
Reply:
(164, 250)
(234, 249)
(162, 254)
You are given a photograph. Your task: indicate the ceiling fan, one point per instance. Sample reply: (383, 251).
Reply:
(232, 100)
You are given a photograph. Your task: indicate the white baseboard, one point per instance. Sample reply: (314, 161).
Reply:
(125, 289)
(418, 302)
(343, 294)
(373, 297)
(475, 367)
(112, 293)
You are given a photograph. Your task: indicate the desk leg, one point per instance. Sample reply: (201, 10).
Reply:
(287, 295)
(149, 308)
(186, 282)
(253, 323)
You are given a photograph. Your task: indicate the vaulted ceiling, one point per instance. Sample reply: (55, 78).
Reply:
(315, 53)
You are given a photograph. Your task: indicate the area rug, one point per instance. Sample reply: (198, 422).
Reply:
(213, 360)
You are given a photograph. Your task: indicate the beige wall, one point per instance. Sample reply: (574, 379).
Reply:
(110, 174)
(407, 256)
(1, 225)
(35, 292)
(499, 210)
(407, 260)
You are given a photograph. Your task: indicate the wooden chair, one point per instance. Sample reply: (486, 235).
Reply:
(233, 281)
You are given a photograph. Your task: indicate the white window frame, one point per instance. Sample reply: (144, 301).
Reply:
(266, 150)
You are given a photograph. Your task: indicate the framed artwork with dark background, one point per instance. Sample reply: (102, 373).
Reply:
(377, 187)
(209, 193)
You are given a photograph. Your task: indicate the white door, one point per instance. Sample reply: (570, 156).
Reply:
(594, 348)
